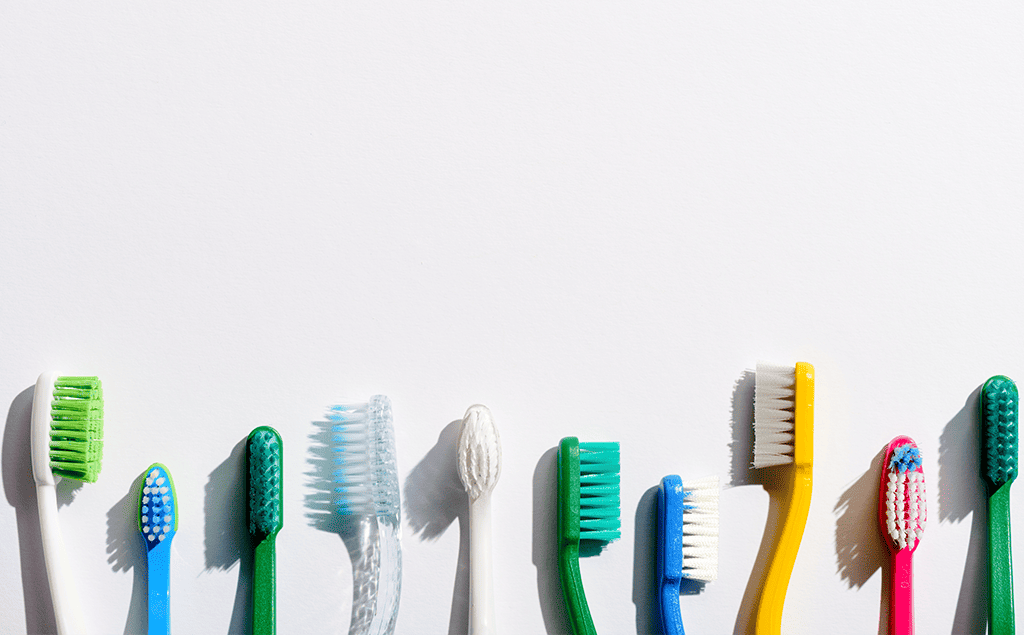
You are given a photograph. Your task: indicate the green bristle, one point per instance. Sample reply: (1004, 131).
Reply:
(76, 428)
(999, 416)
(265, 491)
(599, 491)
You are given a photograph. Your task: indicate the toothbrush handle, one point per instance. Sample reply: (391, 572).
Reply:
(572, 589)
(1000, 564)
(159, 560)
(264, 615)
(901, 598)
(66, 608)
(780, 568)
(671, 617)
(481, 584)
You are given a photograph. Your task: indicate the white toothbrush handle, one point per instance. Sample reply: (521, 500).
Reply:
(481, 581)
(66, 608)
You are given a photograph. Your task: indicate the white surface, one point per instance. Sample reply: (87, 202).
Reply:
(590, 217)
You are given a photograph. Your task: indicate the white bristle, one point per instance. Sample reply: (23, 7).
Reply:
(479, 452)
(774, 398)
(906, 509)
(700, 529)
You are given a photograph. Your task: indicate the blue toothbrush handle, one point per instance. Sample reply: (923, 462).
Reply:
(160, 589)
(671, 616)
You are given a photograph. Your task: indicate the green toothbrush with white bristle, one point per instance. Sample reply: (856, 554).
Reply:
(999, 404)
(263, 457)
(67, 442)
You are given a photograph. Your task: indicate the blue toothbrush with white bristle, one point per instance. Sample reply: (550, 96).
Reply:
(158, 523)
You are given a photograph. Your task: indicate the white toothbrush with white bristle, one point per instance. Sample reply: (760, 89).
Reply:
(479, 463)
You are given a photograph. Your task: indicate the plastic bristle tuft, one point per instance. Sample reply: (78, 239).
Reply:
(599, 491)
(366, 473)
(158, 513)
(76, 428)
(999, 404)
(265, 491)
(774, 400)
(906, 506)
(700, 529)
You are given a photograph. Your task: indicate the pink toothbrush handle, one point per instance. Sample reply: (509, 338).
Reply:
(901, 600)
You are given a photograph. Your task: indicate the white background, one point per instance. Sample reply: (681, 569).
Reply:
(592, 217)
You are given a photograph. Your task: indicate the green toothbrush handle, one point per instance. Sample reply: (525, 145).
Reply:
(572, 590)
(264, 616)
(1000, 565)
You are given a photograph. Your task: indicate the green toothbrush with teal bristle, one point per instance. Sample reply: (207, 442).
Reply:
(263, 460)
(588, 510)
(67, 442)
(999, 402)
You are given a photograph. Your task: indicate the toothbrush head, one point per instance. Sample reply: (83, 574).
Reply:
(999, 403)
(783, 414)
(266, 501)
(67, 428)
(158, 503)
(588, 491)
(902, 506)
(479, 457)
(366, 471)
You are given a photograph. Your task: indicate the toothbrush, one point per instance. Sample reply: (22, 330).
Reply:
(902, 512)
(366, 484)
(784, 437)
(588, 509)
(263, 457)
(67, 442)
(479, 463)
(687, 541)
(999, 401)
(158, 524)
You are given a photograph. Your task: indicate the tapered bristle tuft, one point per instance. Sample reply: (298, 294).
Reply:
(599, 491)
(999, 403)
(774, 401)
(265, 473)
(76, 428)
(700, 529)
(365, 469)
(906, 507)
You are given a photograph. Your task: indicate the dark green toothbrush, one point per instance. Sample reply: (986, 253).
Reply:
(263, 458)
(999, 401)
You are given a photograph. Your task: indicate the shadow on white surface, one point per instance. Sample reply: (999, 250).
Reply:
(19, 488)
(741, 448)
(545, 549)
(645, 562)
(126, 550)
(962, 493)
(226, 537)
(434, 499)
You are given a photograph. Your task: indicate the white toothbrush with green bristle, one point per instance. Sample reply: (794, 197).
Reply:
(67, 442)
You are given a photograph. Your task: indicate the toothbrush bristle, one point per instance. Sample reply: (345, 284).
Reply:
(76, 428)
(365, 470)
(999, 403)
(906, 508)
(599, 491)
(479, 452)
(774, 401)
(700, 529)
(158, 514)
(265, 471)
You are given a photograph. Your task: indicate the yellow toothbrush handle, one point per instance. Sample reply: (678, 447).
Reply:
(796, 492)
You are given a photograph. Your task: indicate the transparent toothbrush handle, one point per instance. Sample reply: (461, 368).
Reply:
(390, 581)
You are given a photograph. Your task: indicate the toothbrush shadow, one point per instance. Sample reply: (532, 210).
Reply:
(962, 493)
(125, 550)
(19, 488)
(545, 549)
(434, 499)
(860, 550)
(645, 586)
(226, 536)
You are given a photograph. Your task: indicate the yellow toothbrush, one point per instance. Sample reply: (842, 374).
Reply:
(784, 437)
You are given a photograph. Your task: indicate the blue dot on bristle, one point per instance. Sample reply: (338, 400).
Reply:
(906, 458)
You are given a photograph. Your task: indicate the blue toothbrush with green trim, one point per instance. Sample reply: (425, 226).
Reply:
(158, 523)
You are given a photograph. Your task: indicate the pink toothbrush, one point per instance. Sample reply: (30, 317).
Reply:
(902, 512)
